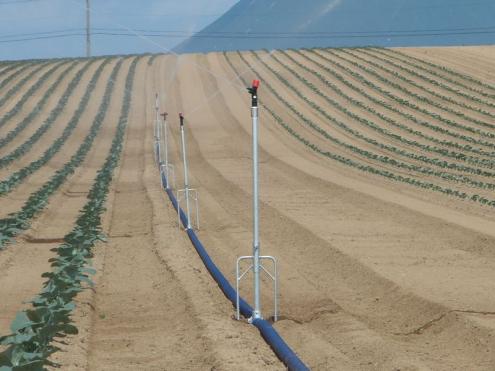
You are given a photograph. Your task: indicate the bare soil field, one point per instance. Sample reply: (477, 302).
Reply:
(377, 179)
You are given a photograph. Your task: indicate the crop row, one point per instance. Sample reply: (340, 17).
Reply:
(406, 103)
(39, 106)
(449, 153)
(364, 153)
(381, 55)
(20, 84)
(152, 59)
(422, 99)
(19, 221)
(13, 75)
(7, 185)
(409, 58)
(34, 330)
(11, 67)
(367, 168)
(432, 161)
(422, 77)
(460, 156)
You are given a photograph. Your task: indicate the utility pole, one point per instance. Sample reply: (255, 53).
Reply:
(88, 29)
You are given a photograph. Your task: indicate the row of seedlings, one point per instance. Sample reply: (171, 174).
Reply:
(21, 220)
(35, 330)
(368, 168)
(432, 68)
(20, 84)
(381, 58)
(370, 124)
(7, 185)
(38, 107)
(459, 156)
(406, 103)
(8, 79)
(364, 153)
(26, 146)
(423, 99)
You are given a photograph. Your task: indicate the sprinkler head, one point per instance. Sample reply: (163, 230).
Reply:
(181, 117)
(164, 115)
(253, 90)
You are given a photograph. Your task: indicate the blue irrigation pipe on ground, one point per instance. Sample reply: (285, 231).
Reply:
(283, 351)
(268, 332)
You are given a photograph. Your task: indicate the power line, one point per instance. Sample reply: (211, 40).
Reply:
(248, 34)
(238, 37)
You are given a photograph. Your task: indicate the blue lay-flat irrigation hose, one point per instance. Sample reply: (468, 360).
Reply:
(268, 332)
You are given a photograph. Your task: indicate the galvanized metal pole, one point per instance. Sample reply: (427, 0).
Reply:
(256, 242)
(186, 179)
(157, 108)
(88, 29)
(158, 149)
(165, 136)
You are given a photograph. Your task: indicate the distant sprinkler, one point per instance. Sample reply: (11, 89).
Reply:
(167, 169)
(186, 192)
(158, 140)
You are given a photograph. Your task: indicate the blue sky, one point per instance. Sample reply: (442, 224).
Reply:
(25, 19)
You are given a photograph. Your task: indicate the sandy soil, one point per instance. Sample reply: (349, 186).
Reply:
(29, 257)
(20, 193)
(41, 116)
(375, 274)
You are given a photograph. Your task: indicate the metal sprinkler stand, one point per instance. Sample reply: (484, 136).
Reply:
(256, 258)
(157, 132)
(166, 168)
(186, 192)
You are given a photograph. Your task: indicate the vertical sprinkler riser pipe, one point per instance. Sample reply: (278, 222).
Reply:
(186, 177)
(157, 132)
(256, 243)
(165, 137)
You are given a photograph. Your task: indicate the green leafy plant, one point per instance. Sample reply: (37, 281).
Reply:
(48, 123)
(19, 221)
(367, 123)
(23, 67)
(31, 343)
(444, 152)
(383, 58)
(420, 98)
(444, 72)
(355, 164)
(39, 106)
(13, 90)
(406, 103)
(365, 153)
